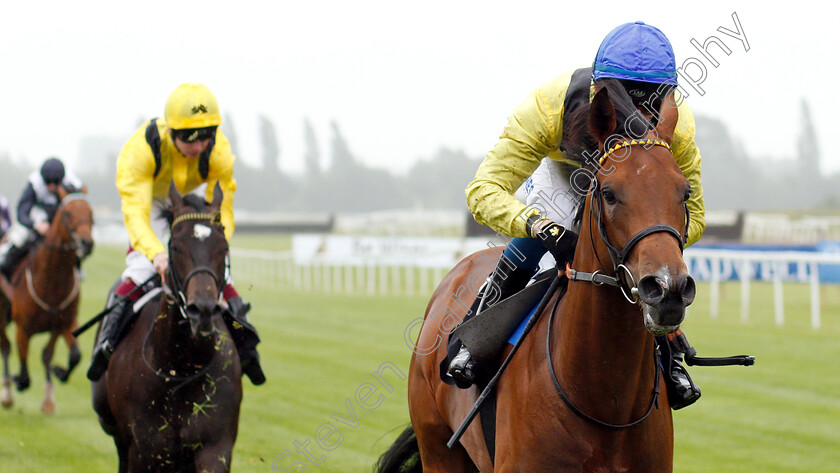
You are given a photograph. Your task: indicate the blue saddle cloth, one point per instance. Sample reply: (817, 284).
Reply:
(517, 334)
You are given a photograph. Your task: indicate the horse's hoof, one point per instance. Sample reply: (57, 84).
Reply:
(48, 406)
(6, 399)
(62, 374)
(21, 383)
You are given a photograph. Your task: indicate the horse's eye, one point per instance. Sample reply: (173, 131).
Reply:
(609, 197)
(687, 195)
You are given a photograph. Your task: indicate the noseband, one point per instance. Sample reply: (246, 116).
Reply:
(177, 285)
(75, 244)
(619, 256)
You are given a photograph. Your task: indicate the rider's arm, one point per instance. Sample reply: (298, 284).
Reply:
(687, 155)
(135, 179)
(25, 204)
(221, 171)
(531, 133)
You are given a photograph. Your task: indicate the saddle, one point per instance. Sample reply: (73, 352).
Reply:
(487, 334)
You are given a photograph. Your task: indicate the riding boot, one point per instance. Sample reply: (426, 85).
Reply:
(509, 279)
(245, 338)
(110, 334)
(13, 257)
(682, 391)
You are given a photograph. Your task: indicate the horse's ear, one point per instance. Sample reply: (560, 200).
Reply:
(668, 116)
(62, 193)
(175, 196)
(602, 116)
(217, 197)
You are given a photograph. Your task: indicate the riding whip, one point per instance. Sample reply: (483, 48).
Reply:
(493, 382)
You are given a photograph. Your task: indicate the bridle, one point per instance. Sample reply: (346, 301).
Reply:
(177, 287)
(75, 244)
(176, 284)
(619, 256)
(599, 278)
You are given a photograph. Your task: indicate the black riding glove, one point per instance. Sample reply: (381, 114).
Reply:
(557, 239)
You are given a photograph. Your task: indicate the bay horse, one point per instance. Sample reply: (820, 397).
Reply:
(171, 395)
(582, 392)
(45, 295)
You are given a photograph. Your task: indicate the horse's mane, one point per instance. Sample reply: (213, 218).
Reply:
(190, 200)
(576, 136)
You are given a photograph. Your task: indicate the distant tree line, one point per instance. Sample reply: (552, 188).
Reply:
(731, 179)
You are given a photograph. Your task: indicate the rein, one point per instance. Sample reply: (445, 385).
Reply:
(654, 402)
(171, 374)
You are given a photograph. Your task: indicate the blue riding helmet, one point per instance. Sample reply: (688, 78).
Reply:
(638, 52)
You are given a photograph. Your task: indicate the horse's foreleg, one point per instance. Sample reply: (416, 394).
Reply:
(6, 398)
(48, 406)
(75, 355)
(22, 379)
(214, 458)
(47, 354)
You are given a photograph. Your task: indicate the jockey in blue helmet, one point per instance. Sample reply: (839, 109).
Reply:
(530, 153)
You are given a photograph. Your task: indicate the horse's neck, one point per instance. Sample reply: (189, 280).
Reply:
(601, 343)
(174, 346)
(55, 254)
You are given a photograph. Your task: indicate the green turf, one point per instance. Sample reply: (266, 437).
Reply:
(782, 415)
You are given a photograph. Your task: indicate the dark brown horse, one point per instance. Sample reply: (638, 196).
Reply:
(598, 345)
(45, 288)
(171, 394)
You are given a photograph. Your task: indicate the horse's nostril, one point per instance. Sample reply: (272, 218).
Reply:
(689, 290)
(652, 290)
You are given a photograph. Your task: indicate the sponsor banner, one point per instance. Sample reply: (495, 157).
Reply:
(789, 262)
(349, 250)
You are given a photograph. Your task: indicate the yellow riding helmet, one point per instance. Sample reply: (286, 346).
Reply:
(192, 106)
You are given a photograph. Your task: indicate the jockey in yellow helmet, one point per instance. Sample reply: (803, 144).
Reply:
(186, 148)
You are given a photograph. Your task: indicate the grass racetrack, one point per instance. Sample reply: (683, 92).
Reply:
(321, 354)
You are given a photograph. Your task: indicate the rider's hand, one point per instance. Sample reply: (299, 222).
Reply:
(557, 239)
(161, 263)
(42, 227)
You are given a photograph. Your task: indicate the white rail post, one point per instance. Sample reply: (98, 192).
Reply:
(409, 280)
(815, 295)
(714, 288)
(384, 280)
(778, 292)
(746, 270)
(349, 282)
(396, 280)
(424, 280)
(371, 279)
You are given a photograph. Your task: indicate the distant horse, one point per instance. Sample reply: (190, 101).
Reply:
(45, 289)
(171, 394)
(582, 392)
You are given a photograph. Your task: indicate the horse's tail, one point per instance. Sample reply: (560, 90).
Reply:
(402, 457)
